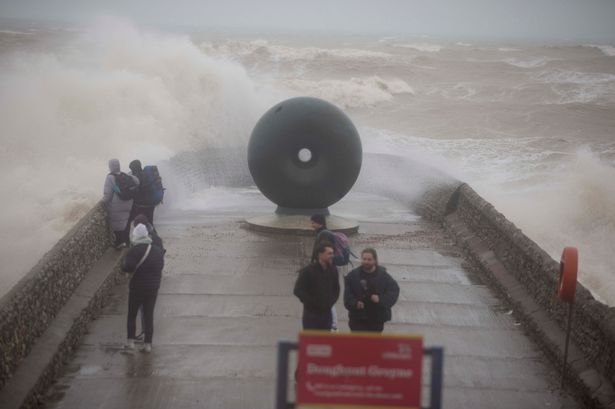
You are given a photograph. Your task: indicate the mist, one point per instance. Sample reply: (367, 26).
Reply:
(112, 91)
(526, 20)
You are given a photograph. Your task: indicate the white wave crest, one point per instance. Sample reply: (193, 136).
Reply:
(16, 33)
(277, 52)
(532, 63)
(580, 87)
(386, 39)
(459, 91)
(352, 93)
(424, 47)
(560, 76)
(607, 50)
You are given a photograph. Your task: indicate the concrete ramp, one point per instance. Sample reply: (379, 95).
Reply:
(226, 299)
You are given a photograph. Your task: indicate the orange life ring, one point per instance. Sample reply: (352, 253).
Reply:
(568, 267)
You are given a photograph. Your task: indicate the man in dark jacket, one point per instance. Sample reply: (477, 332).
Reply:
(323, 235)
(369, 294)
(318, 288)
(146, 262)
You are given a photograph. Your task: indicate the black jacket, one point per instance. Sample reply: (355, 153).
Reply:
(318, 289)
(379, 283)
(149, 274)
(144, 194)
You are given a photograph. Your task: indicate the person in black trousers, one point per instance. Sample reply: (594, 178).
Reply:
(146, 262)
(318, 288)
(369, 294)
(156, 241)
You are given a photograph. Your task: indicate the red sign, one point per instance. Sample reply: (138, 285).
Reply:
(367, 370)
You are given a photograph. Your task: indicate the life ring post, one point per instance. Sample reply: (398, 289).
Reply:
(566, 291)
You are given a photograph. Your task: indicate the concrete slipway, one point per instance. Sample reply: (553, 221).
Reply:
(226, 299)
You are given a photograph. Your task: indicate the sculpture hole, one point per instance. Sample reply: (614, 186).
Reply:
(305, 155)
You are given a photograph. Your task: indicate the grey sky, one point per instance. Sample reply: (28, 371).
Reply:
(566, 20)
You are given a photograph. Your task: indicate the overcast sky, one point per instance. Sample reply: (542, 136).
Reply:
(566, 20)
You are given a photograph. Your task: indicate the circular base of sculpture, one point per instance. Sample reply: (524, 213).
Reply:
(299, 224)
(298, 212)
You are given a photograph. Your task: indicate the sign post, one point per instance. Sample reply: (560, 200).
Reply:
(358, 370)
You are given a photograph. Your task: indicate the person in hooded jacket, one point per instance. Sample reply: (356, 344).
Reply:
(118, 209)
(146, 262)
(369, 294)
(142, 203)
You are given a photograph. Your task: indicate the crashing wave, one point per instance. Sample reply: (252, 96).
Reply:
(352, 93)
(424, 47)
(115, 92)
(533, 63)
(574, 87)
(607, 50)
(279, 52)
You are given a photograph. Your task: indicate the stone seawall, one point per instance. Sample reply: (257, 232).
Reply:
(501, 250)
(28, 308)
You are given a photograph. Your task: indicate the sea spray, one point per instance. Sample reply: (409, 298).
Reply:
(574, 206)
(113, 91)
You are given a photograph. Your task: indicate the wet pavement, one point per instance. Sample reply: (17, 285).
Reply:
(226, 299)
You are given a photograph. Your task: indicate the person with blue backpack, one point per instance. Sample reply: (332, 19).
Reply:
(118, 195)
(150, 193)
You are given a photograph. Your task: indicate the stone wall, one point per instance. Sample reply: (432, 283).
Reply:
(29, 307)
(593, 328)
(73, 335)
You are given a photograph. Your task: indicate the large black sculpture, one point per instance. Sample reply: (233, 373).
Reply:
(304, 155)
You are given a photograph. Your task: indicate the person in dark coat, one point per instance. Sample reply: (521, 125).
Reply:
(156, 241)
(369, 294)
(323, 235)
(318, 288)
(142, 203)
(146, 262)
